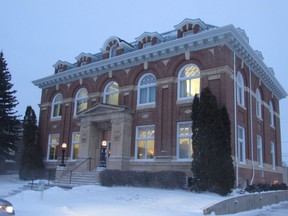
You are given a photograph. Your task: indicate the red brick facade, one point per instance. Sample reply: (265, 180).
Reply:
(217, 66)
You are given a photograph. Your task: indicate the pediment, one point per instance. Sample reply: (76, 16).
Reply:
(102, 109)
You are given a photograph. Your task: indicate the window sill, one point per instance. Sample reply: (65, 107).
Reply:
(51, 161)
(185, 100)
(56, 118)
(183, 160)
(241, 106)
(259, 119)
(146, 106)
(144, 160)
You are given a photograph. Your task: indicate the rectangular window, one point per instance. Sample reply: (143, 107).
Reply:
(259, 151)
(145, 142)
(273, 155)
(241, 145)
(112, 99)
(184, 140)
(189, 87)
(57, 110)
(81, 105)
(75, 145)
(52, 146)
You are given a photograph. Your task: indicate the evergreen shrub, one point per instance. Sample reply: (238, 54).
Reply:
(162, 179)
(265, 187)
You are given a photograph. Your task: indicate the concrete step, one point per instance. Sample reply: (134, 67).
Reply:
(79, 178)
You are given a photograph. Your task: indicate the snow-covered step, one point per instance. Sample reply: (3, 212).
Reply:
(79, 178)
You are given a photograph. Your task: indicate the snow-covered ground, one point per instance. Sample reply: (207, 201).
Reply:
(97, 200)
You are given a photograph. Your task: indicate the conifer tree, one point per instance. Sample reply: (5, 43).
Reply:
(196, 145)
(9, 124)
(212, 160)
(31, 161)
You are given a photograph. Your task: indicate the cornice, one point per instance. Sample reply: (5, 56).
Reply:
(227, 35)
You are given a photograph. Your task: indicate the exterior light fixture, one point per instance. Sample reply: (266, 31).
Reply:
(63, 146)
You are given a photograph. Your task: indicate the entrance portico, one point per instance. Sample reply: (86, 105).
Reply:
(105, 117)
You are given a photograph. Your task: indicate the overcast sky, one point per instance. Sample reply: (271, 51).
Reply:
(35, 34)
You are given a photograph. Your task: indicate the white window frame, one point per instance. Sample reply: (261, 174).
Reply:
(48, 147)
(147, 44)
(108, 93)
(186, 136)
(271, 111)
(73, 143)
(258, 104)
(80, 99)
(141, 86)
(273, 156)
(240, 89)
(188, 32)
(241, 145)
(57, 102)
(260, 151)
(182, 77)
(113, 50)
(146, 139)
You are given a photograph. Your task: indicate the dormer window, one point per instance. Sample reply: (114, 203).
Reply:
(189, 27)
(113, 50)
(148, 44)
(61, 66)
(148, 39)
(84, 58)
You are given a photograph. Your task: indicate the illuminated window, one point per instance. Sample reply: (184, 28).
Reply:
(271, 110)
(75, 145)
(57, 106)
(259, 151)
(258, 104)
(81, 101)
(241, 145)
(52, 146)
(111, 93)
(147, 89)
(145, 142)
(188, 82)
(184, 140)
(240, 90)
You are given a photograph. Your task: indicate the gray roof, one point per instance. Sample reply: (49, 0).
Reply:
(210, 36)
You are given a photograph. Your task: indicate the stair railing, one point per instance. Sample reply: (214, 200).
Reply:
(75, 168)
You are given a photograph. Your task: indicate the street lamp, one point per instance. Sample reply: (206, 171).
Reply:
(103, 154)
(63, 146)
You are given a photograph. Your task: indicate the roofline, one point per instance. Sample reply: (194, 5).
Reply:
(226, 35)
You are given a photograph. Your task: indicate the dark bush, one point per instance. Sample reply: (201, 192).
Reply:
(265, 187)
(162, 179)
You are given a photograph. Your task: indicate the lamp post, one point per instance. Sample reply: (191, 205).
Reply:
(63, 146)
(103, 154)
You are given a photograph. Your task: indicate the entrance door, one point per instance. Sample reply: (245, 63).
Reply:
(105, 146)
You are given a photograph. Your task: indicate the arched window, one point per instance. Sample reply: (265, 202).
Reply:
(57, 106)
(240, 90)
(188, 81)
(258, 104)
(81, 101)
(147, 89)
(111, 93)
(112, 51)
(271, 110)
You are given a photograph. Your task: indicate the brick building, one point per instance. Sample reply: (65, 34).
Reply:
(138, 98)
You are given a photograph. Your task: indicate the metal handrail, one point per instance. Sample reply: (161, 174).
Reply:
(71, 171)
